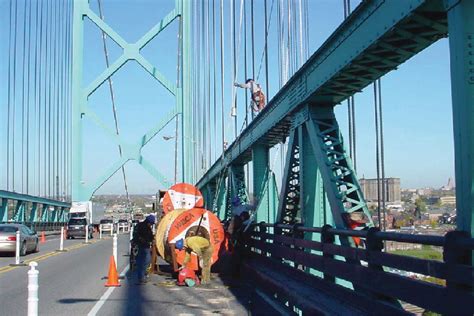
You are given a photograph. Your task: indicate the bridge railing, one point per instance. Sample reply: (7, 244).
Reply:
(440, 286)
(40, 226)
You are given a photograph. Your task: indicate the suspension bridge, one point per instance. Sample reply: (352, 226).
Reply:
(102, 96)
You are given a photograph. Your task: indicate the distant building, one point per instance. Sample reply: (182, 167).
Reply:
(448, 187)
(392, 190)
(447, 200)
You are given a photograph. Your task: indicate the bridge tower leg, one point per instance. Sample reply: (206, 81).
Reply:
(179, 88)
(461, 42)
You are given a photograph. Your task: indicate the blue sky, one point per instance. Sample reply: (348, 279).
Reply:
(416, 98)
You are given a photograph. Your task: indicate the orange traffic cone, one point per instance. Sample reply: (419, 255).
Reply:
(112, 279)
(43, 238)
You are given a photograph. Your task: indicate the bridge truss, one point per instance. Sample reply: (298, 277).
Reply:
(320, 186)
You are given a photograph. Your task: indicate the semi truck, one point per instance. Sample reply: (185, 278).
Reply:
(81, 210)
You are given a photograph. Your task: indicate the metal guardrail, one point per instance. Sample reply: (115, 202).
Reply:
(367, 267)
(41, 226)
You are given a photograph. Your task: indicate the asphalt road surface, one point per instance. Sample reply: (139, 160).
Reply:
(72, 283)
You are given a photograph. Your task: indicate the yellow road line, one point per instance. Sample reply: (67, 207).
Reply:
(45, 256)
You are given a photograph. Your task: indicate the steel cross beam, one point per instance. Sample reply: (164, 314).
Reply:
(131, 51)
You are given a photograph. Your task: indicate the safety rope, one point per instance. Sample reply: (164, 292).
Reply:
(112, 99)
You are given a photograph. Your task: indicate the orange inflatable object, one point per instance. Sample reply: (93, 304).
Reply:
(182, 196)
(210, 228)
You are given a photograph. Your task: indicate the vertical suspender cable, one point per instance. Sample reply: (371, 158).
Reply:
(203, 90)
(27, 115)
(52, 120)
(64, 103)
(266, 48)
(245, 67)
(234, 68)
(208, 62)
(60, 101)
(35, 102)
(56, 121)
(112, 98)
(214, 68)
(288, 43)
(69, 123)
(222, 74)
(23, 103)
(246, 92)
(9, 94)
(377, 158)
(253, 40)
(40, 98)
(382, 159)
(354, 147)
(307, 27)
(14, 94)
(300, 20)
(48, 105)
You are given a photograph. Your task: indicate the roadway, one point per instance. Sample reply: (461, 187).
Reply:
(72, 283)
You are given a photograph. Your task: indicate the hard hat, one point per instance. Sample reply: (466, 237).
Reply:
(150, 219)
(179, 244)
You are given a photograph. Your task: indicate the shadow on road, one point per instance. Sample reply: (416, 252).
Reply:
(76, 300)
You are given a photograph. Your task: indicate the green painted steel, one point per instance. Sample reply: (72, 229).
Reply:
(261, 172)
(30, 198)
(4, 210)
(33, 213)
(219, 196)
(461, 42)
(273, 198)
(19, 215)
(54, 215)
(338, 176)
(289, 207)
(131, 51)
(238, 187)
(44, 213)
(26, 207)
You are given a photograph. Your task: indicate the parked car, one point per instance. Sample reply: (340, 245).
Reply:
(76, 227)
(106, 225)
(28, 239)
(122, 224)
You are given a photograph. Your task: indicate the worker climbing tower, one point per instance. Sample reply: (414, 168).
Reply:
(131, 51)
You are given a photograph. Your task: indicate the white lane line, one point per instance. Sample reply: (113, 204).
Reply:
(105, 296)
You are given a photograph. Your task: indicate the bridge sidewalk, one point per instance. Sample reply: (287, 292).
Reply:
(161, 296)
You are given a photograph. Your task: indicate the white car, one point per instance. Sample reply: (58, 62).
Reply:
(122, 225)
(106, 225)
